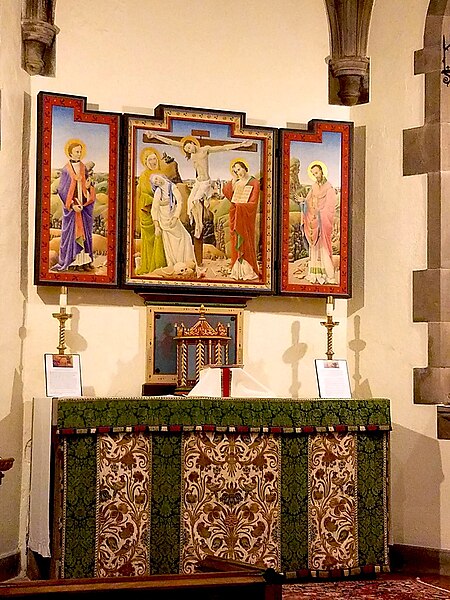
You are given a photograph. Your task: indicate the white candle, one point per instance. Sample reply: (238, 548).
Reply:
(63, 297)
(330, 306)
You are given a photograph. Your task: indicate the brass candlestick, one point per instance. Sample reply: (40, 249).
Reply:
(62, 317)
(329, 324)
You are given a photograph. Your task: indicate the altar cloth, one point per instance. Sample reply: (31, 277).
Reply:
(39, 538)
(151, 485)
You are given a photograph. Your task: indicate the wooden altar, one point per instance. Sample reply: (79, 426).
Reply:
(152, 485)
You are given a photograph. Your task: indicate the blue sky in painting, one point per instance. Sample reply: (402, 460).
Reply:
(329, 152)
(94, 135)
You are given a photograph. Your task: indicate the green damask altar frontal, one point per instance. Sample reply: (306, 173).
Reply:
(152, 485)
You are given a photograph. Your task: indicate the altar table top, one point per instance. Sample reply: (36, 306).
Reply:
(285, 414)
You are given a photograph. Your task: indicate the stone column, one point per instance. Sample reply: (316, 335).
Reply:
(425, 150)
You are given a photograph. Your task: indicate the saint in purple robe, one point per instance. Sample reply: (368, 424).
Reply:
(78, 198)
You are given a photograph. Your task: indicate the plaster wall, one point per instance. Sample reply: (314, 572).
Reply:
(395, 239)
(14, 83)
(130, 57)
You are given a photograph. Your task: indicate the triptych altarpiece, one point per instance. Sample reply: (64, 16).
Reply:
(191, 201)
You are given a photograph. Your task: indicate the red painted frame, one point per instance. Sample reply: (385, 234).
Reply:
(314, 134)
(43, 273)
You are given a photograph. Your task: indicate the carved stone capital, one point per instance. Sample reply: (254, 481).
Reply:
(37, 36)
(351, 72)
(349, 29)
(349, 65)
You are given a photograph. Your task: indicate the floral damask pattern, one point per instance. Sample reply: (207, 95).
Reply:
(165, 504)
(78, 479)
(123, 499)
(372, 498)
(231, 494)
(332, 502)
(294, 502)
(110, 526)
(254, 412)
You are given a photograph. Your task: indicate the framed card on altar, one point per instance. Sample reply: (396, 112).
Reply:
(77, 193)
(314, 240)
(62, 375)
(332, 378)
(161, 348)
(199, 203)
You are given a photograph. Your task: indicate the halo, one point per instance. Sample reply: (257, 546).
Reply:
(238, 160)
(322, 165)
(144, 155)
(75, 142)
(189, 138)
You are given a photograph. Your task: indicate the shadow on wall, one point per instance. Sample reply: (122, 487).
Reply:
(116, 381)
(293, 356)
(416, 476)
(361, 389)
(76, 342)
(123, 372)
(11, 446)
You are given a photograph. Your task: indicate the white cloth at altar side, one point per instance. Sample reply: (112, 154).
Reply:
(243, 385)
(39, 528)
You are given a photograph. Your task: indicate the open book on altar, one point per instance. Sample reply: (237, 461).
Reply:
(241, 194)
(229, 381)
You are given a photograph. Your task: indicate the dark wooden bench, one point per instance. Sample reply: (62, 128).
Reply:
(230, 580)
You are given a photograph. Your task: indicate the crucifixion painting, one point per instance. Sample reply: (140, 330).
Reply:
(199, 202)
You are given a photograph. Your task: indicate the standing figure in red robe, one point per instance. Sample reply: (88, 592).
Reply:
(243, 192)
(318, 213)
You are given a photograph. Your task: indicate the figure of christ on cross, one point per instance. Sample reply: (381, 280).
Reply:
(201, 192)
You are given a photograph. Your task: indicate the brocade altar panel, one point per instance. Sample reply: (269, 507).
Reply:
(152, 485)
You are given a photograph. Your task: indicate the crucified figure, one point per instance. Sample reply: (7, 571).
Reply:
(201, 192)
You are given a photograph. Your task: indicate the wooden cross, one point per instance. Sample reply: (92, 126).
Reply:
(203, 137)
